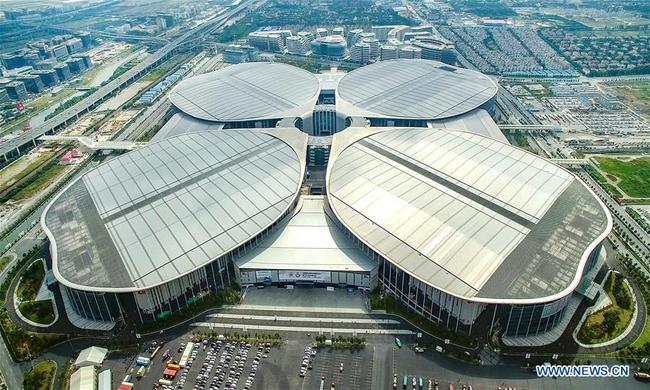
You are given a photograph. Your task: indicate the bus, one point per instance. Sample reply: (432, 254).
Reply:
(421, 383)
(398, 343)
(405, 382)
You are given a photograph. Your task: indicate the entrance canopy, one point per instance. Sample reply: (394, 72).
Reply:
(310, 241)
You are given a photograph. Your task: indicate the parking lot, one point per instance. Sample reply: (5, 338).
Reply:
(209, 365)
(372, 367)
(347, 369)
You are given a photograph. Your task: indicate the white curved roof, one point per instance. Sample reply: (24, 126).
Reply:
(467, 214)
(413, 89)
(171, 207)
(249, 91)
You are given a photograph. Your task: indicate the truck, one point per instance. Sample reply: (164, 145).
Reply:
(164, 381)
(142, 361)
(140, 372)
(186, 355)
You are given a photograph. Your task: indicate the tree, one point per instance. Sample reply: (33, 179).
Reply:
(611, 318)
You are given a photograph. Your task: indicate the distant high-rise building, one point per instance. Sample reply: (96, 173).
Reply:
(437, 50)
(236, 54)
(60, 51)
(76, 65)
(321, 32)
(374, 46)
(48, 77)
(161, 23)
(388, 52)
(338, 31)
(329, 46)
(74, 45)
(86, 39)
(367, 35)
(32, 57)
(32, 82)
(297, 45)
(409, 52)
(308, 36)
(16, 90)
(45, 64)
(85, 58)
(42, 48)
(354, 36)
(269, 40)
(360, 52)
(381, 32)
(4, 96)
(62, 71)
(164, 21)
(14, 60)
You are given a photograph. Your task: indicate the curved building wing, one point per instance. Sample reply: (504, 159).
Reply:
(414, 89)
(470, 215)
(171, 207)
(249, 91)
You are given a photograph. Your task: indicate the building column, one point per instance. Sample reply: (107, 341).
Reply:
(460, 307)
(508, 323)
(448, 310)
(473, 318)
(137, 308)
(493, 317)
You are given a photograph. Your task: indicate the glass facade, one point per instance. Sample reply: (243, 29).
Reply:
(93, 306)
(529, 320)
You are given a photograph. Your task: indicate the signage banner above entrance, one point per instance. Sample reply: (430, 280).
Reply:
(311, 276)
(263, 276)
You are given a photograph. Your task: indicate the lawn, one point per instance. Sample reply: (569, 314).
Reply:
(633, 175)
(43, 179)
(9, 179)
(165, 67)
(41, 377)
(31, 281)
(595, 329)
(518, 139)
(4, 260)
(636, 94)
(40, 312)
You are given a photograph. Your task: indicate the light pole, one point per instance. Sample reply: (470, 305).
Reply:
(29, 353)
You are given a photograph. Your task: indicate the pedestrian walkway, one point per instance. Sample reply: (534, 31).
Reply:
(301, 309)
(305, 319)
(305, 329)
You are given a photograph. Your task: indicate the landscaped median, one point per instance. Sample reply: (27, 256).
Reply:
(39, 312)
(341, 342)
(22, 344)
(611, 321)
(640, 348)
(384, 301)
(41, 377)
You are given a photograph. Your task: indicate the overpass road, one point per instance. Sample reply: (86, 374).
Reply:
(12, 147)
